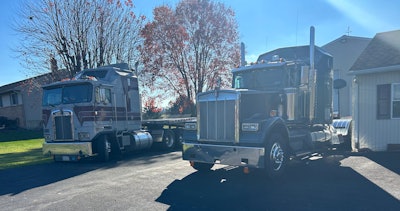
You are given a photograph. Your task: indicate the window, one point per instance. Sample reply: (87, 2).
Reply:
(1, 101)
(261, 79)
(80, 93)
(77, 93)
(388, 105)
(103, 95)
(383, 107)
(14, 99)
(52, 96)
(396, 101)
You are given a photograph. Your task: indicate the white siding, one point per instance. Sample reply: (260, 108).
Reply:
(345, 51)
(372, 133)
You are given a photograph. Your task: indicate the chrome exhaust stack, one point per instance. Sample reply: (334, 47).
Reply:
(312, 47)
(312, 80)
(242, 55)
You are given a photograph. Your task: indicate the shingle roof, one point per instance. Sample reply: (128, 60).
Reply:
(382, 51)
(345, 39)
(9, 87)
(40, 79)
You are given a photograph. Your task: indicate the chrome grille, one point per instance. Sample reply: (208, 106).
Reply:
(62, 125)
(217, 120)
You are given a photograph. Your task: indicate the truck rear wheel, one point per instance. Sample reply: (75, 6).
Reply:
(103, 149)
(275, 156)
(168, 140)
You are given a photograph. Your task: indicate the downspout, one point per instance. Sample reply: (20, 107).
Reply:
(356, 111)
(358, 117)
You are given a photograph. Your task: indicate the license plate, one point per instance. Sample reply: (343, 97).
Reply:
(65, 158)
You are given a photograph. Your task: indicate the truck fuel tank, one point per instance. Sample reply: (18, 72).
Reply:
(137, 140)
(143, 140)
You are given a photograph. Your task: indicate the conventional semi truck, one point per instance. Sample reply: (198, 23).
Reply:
(98, 113)
(278, 108)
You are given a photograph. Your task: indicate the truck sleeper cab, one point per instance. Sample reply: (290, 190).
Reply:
(277, 108)
(98, 110)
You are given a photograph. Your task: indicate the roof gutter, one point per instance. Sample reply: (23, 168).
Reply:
(375, 70)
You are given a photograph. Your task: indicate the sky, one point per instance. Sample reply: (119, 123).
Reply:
(263, 25)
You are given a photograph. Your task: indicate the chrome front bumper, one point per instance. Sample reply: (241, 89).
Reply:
(226, 155)
(69, 148)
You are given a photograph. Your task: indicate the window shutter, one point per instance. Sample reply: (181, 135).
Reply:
(383, 104)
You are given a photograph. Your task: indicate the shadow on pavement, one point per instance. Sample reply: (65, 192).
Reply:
(317, 185)
(17, 180)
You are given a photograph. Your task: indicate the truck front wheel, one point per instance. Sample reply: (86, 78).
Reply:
(275, 156)
(103, 149)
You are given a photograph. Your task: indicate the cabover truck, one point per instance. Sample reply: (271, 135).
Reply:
(98, 113)
(277, 109)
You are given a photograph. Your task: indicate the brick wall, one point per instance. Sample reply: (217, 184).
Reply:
(14, 112)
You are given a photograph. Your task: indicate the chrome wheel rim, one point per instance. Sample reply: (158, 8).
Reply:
(169, 141)
(276, 156)
(107, 146)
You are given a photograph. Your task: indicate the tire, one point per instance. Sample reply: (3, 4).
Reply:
(168, 140)
(276, 156)
(103, 149)
(202, 167)
(179, 139)
(116, 152)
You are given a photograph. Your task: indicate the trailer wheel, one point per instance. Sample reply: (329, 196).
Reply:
(103, 149)
(202, 167)
(179, 138)
(275, 156)
(168, 140)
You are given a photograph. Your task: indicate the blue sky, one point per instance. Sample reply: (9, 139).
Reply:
(264, 25)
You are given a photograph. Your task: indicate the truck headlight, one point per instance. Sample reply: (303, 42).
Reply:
(190, 126)
(251, 127)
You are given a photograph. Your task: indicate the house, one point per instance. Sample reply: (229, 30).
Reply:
(345, 50)
(22, 101)
(376, 94)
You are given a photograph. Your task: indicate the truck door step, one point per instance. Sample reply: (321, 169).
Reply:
(307, 155)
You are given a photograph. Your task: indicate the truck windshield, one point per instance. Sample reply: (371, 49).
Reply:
(264, 79)
(67, 94)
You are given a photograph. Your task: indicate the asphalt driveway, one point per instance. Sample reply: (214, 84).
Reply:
(158, 181)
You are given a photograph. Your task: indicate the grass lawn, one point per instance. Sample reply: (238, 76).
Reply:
(18, 148)
(17, 135)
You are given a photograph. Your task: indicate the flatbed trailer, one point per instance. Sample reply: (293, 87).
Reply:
(167, 132)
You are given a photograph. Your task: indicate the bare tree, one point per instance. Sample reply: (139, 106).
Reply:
(77, 34)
